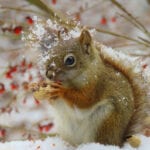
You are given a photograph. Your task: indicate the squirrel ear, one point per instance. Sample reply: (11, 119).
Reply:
(85, 40)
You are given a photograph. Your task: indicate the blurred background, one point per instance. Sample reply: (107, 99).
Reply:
(125, 27)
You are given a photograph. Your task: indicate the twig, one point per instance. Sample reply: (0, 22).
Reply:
(138, 23)
(11, 50)
(93, 6)
(122, 44)
(141, 55)
(54, 15)
(14, 37)
(22, 10)
(130, 20)
(143, 39)
(121, 36)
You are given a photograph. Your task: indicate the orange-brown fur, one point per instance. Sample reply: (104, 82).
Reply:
(82, 98)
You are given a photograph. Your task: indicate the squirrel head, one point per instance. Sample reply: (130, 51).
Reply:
(70, 58)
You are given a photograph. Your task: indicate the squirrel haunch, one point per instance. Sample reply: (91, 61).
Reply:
(94, 97)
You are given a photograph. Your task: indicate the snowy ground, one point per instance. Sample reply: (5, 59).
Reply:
(58, 144)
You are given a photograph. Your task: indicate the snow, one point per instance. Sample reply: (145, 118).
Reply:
(49, 143)
(40, 33)
(55, 143)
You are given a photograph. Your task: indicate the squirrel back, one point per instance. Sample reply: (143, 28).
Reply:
(132, 69)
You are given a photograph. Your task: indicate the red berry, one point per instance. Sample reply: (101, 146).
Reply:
(103, 21)
(40, 128)
(78, 16)
(48, 127)
(23, 63)
(8, 75)
(14, 86)
(2, 88)
(144, 66)
(30, 65)
(113, 19)
(29, 20)
(54, 2)
(17, 30)
(13, 69)
(45, 128)
(37, 102)
(2, 133)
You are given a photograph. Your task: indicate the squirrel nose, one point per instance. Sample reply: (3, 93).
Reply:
(50, 74)
(52, 66)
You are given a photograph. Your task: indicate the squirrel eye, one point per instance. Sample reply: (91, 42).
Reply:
(70, 60)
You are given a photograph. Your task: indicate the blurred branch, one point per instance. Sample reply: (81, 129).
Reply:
(132, 19)
(13, 37)
(143, 39)
(12, 50)
(54, 15)
(91, 7)
(1, 22)
(21, 9)
(139, 55)
(70, 24)
(122, 36)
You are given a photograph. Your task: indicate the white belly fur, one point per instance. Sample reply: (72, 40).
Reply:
(76, 125)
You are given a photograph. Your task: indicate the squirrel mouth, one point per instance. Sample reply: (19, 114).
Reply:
(50, 74)
(52, 77)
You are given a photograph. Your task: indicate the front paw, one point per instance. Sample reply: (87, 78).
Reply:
(40, 90)
(57, 90)
(36, 86)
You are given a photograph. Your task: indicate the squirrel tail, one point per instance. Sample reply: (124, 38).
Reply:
(133, 70)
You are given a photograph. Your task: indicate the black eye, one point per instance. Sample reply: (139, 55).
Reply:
(69, 60)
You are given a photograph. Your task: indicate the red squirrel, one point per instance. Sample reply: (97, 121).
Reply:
(94, 96)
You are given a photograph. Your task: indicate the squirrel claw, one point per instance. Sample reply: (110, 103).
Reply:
(56, 90)
(56, 85)
(53, 97)
(34, 87)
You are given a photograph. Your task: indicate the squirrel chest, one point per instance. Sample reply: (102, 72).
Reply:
(78, 126)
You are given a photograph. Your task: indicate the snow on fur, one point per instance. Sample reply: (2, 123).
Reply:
(131, 67)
